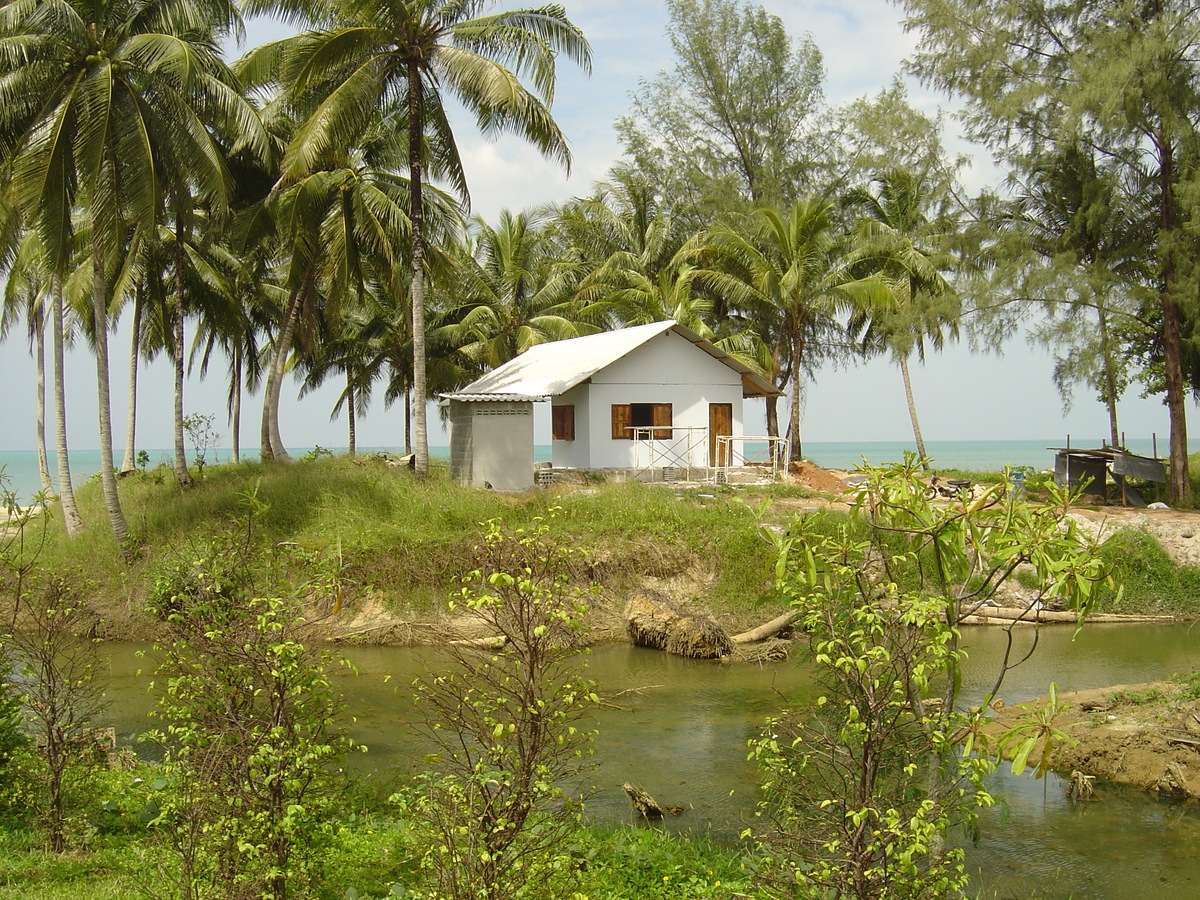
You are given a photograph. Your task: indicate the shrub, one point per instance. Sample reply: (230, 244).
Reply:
(492, 814)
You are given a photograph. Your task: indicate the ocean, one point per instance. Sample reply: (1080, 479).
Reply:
(20, 469)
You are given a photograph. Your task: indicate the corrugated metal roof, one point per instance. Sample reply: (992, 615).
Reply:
(494, 398)
(548, 370)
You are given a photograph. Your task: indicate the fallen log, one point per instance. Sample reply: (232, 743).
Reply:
(485, 643)
(654, 621)
(770, 629)
(1050, 615)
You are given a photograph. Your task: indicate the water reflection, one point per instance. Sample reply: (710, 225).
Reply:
(679, 728)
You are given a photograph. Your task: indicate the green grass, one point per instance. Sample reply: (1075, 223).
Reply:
(29, 872)
(372, 528)
(1191, 685)
(648, 863)
(371, 854)
(1136, 697)
(1146, 581)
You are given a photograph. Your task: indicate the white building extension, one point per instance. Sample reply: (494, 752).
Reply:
(644, 398)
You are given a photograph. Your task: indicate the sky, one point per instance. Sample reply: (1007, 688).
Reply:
(1005, 394)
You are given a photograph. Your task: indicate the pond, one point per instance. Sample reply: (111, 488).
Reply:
(678, 728)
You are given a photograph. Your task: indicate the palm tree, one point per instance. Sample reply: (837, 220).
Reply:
(25, 296)
(904, 245)
(348, 352)
(512, 291)
(639, 256)
(625, 225)
(403, 56)
(29, 280)
(338, 228)
(103, 104)
(247, 303)
(785, 275)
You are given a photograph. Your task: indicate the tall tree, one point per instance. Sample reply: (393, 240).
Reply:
(786, 274)
(1076, 230)
(337, 228)
(511, 293)
(903, 235)
(236, 325)
(1120, 76)
(404, 57)
(100, 104)
(873, 134)
(731, 125)
(25, 296)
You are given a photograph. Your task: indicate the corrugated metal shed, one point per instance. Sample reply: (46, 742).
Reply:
(548, 370)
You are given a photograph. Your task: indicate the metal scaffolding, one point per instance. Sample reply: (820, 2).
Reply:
(676, 452)
(732, 454)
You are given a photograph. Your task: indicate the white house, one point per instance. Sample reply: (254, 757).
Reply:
(644, 398)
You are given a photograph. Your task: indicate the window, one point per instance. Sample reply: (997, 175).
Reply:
(628, 416)
(562, 423)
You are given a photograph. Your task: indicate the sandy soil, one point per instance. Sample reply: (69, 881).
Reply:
(815, 478)
(1141, 735)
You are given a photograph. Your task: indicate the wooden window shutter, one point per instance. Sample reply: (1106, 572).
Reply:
(621, 415)
(662, 416)
(562, 422)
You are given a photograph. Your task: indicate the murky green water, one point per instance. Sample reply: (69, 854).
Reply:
(680, 728)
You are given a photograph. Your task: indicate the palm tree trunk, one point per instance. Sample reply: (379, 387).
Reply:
(108, 478)
(66, 494)
(408, 422)
(417, 215)
(270, 444)
(129, 460)
(181, 470)
(38, 323)
(235, 404)
(772, 416)
(796, 454)
(350, 408)
(912, 409)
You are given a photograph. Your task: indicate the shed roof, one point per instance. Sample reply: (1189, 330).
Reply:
(548, 370)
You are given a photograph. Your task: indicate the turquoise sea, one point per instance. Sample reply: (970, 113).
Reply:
(21, 471)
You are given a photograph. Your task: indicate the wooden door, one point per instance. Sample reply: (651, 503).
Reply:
(720, 422)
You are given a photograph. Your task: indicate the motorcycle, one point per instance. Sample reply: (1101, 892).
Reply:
(948, 488)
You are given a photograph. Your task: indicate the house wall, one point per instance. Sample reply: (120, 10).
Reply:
(491, 444)
(666, 369)
(575, 454)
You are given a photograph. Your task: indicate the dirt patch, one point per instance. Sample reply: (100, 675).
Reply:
(813, 477)
(1144, 735)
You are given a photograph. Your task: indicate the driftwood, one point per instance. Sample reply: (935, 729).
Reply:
(646, 805)
(770, 629)
(655, 622)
